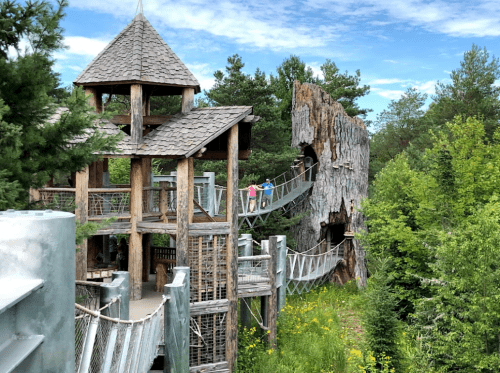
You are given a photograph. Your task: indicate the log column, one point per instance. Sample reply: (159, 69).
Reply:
(135, 242)
(232, 246)
(185, 206)
(187, 99)
(147, 237)
(81, 213)
(96, 99)
(136, 124)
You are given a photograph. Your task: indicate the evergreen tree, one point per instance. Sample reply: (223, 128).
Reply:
(271, 152)
(290, 70)
(344, 88)
(29, 89)
(472, 92)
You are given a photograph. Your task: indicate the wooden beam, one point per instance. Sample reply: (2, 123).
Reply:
(187, 100)
(96, 99)
(146, 120)
(191, 188)
(273, 298)
(146, 238)
(182, 212)
(164, 201)
(99, 169)
(81, 213)
(136, 125)
(135, 241)
(92, 177)
(232, 247)
(223, 155)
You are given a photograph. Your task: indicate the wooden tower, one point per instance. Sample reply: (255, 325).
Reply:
(140, 64)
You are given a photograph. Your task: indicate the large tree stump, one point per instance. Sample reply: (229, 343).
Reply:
(322, 130)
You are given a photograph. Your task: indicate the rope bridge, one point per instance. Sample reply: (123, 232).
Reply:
(311, 268)
(289, 189)
(104, 344)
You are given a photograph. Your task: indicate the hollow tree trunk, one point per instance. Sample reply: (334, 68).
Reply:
(322, 129)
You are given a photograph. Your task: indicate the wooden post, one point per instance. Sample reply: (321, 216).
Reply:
(99, 169)
(146, 237)
(273, 298)
(81, 213)
(92, 175)
(191, 189)
(164, 201)
(232, 247)
(135, 242)
(136, 113)
(96, 99)
(187, 99)
(184, 184)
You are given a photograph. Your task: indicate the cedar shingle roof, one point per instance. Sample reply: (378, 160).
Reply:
(185, 134)
(138, 54)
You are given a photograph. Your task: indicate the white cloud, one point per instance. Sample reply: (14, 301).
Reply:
(391, 61)
(256, 23)
(316, 68)
(426, 87)
(386, 81)
(204, 73)
(390, 94)
(84, 46)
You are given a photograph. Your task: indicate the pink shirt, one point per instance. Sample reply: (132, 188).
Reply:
(253, 191)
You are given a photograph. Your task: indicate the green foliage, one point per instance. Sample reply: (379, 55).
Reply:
(290, 70)
(439, 227)
(119, 170)
(312, 336)
(380, 320)
(28, 92)
(271, 152)
(472, 92)
(88, 229)
(344, 88)
(398, 127)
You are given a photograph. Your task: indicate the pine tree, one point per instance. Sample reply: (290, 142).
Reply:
(29, 90)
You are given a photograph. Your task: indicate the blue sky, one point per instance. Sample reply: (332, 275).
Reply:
(395, 44)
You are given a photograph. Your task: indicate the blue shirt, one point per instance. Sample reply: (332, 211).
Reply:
(267, 188)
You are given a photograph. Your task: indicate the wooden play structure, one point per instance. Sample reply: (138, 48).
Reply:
(140, 64)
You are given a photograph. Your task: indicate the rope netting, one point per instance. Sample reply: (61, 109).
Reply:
(88, 294)
(312, 268)
(104, 344)
(113, 203)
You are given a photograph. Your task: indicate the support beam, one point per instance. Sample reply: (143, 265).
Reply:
(146, 238)
(135, 242)
(232, 247)
(96, 99)
(81, 213)
(184, 200)
(273, 298)
(136, 113)
(187, 99)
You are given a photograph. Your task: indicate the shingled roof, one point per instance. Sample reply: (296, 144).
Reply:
(138, 54)
(185, 134)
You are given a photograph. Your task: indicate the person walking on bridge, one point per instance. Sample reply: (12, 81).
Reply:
(252, 190)
(267, 196)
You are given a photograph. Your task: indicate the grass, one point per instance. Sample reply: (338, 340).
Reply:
(322, 332)
(317, 332)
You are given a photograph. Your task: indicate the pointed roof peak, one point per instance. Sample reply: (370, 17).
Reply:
(138, 54)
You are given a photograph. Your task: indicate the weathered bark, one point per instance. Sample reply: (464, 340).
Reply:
(341, 146)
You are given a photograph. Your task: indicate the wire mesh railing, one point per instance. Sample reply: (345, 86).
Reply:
(104, 344)
(311, 268)
(292, 181)
(60, 199)
(253, 269)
